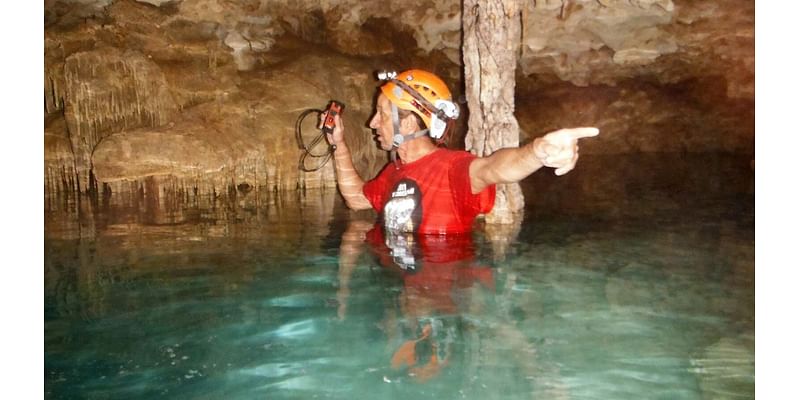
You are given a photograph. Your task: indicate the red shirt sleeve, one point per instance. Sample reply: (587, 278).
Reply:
(377, 189)
(469, 204)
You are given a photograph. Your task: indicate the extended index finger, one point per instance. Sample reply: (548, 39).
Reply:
(584, 132)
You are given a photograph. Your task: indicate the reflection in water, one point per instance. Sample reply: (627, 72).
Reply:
(622, 280)
(432, 269)
(447, 299)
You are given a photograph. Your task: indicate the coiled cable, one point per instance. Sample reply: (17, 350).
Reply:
(298, 132)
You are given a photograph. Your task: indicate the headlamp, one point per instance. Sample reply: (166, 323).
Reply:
(387, 75)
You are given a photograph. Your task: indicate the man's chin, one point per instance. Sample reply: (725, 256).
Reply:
(383, 146)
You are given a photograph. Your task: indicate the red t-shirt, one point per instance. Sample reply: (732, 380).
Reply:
(431, 195)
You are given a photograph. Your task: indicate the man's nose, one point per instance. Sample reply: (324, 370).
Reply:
(373, 123)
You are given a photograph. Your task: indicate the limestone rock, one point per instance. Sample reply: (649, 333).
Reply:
(636, 117)
(59, 162)
(158, 3)
(245, 135)
(654, 75)
(108, 91)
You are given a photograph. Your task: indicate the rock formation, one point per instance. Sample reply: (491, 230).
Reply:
(206, 93)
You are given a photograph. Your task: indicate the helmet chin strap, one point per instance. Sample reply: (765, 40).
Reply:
(398, 138)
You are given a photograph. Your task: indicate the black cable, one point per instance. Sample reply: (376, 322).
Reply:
(307, 149)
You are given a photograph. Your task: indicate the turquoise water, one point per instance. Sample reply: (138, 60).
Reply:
(624, 280)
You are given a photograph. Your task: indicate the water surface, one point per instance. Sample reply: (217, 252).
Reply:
(629, 278)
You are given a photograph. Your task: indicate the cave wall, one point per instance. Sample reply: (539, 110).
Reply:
(205, 94)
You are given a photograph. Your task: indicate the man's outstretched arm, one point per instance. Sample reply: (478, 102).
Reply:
(558, 149)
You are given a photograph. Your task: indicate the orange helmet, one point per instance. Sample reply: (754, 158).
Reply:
(424, 94)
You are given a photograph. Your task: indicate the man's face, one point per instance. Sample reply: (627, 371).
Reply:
(381, 122)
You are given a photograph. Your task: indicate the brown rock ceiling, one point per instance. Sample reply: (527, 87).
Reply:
(206, 93)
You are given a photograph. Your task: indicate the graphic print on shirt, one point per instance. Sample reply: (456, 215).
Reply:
(403, 211)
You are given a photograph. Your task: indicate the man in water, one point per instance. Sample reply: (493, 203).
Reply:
(429, 189)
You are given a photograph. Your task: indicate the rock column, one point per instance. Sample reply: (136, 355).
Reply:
(491, 42)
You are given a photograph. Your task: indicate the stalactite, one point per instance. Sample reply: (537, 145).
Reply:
(106, 92)
(63, 179)
(54, 76)
(54, 99)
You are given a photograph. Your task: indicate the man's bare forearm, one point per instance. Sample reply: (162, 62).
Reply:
(557, 149)
(507, 165)
(350, 183)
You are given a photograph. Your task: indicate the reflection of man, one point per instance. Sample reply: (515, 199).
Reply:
(426, 355)
(433, 266)
(401, 248)
(415, 111)
(432, 269)
(423, 325)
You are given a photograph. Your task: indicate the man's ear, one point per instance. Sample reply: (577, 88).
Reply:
(409, 124)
